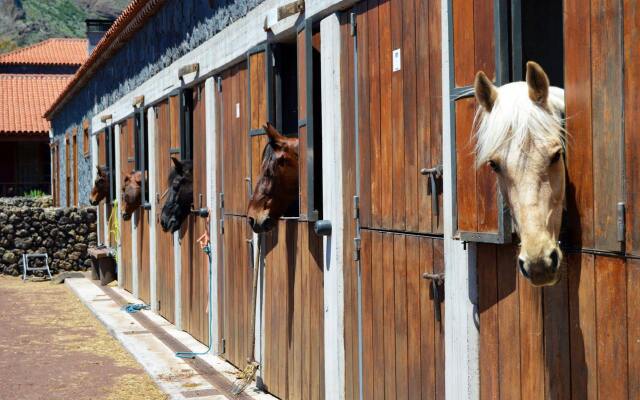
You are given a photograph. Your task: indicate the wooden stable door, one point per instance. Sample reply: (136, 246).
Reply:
(391, 73)
(165, 277)
(55, 173)
(399, 115)
(195, 263)
(127, 163)
(235, 285)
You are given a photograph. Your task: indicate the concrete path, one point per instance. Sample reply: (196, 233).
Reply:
(52, 348)
(153, 341)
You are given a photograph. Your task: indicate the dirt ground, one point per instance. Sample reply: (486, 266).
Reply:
(51, 347)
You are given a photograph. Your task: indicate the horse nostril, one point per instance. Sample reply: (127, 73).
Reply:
(522, 269)
(251, 221)
(267, 221)
(554, 260)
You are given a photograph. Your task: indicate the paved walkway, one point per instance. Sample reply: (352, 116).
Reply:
(52, 347)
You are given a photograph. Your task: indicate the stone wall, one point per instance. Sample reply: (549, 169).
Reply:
(33, 226)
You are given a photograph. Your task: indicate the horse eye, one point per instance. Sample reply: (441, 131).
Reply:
(556, 157)
(494, 166)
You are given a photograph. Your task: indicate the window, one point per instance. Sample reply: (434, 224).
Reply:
(141, 148)
(85, 138)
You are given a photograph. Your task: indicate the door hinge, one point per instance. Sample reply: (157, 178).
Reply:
(221, 200)
(222, 226)
(621, 222)
(356, 248)
(356, 207)
(352, 21)
(219, 83)
(223, 344)
(158, 305)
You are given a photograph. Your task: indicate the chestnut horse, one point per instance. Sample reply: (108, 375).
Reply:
(131, 193)
(277, 186)
(520, 134)
(180, 195)
(100, 188)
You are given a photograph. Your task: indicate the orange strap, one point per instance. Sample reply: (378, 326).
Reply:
(204, 240)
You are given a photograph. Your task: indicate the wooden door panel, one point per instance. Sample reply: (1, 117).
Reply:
(164, 249)
(399, 125)
(126, 257)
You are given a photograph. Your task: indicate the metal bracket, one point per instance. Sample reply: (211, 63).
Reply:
(621, 211)
(352, 20)
(437, 282)
(433, 174)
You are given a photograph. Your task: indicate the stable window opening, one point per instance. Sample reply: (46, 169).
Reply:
(141, 156)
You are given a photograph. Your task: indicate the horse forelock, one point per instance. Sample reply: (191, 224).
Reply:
(516, 121)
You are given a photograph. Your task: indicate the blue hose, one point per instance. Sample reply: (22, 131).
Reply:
(190, 354)
(134, 308)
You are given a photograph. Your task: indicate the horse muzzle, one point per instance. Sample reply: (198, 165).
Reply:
(541, 271)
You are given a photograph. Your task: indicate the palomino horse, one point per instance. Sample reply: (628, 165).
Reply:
(131, 193)
(520, 134)
(100, 188)
(180, 195)
(277, 186)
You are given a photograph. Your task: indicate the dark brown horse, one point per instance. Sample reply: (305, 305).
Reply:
(131, 193)
(179, 196)
(277, 187)
(100, 188)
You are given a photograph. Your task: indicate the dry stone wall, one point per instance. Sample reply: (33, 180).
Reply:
(30, 225)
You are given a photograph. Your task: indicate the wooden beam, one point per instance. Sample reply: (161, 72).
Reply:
(138, 101)
(290, 9)
(188, 69)
(105, 118)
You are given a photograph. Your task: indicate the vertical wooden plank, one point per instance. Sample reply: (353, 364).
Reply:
(317, 349)
(377, 291)
(513, 329)
(386, 142)
(557, 340)
(411, 169)
(435, 84)
(465, 167)
(438, 268)
(374, 111)
(531, 339)
(633, 316)
(400, 297)
(363, 113)
(414, 281)
(489, 332)
(631, 115)
(397, 125)
(580, 206)
(368, 345)
(611, 322)
(302, 115)
(582, 326)
(463, 42)
(607, 71)
(423, 111)
(427, 325)
(389, 317)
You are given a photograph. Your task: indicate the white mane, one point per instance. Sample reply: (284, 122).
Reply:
(515, 118)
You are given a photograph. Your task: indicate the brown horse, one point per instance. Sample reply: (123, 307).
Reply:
(131, 193)
(100, 188)
(277, 187)
(180, 195)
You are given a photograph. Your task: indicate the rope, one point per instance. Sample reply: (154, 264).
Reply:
(205, 243)
(115, 229)
(134, 308)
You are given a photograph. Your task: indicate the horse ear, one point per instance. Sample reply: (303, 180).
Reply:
(272, 133)
(486, 93)
(177, 164)
(538, 83)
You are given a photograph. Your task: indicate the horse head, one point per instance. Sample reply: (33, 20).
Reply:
(100, 188)
(520, 135)
(131, 193)
(179, 196)
(277, 186)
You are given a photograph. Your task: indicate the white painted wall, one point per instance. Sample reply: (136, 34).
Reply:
(330, 44)
(461, 335)
(151, 153)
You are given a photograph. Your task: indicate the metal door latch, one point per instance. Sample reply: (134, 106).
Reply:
(437, 284)
(433, 174)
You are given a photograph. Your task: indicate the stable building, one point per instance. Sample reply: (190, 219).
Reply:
(414, 291)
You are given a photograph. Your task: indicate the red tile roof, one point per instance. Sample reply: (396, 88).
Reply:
(57, 51)
(130, 21)
(24, 99)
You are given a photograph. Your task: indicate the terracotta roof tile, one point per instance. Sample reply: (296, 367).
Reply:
(131, 20)
(25, 98)
(57, 51)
